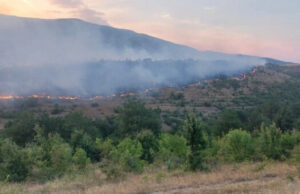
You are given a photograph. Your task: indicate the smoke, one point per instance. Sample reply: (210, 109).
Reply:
(72, 57)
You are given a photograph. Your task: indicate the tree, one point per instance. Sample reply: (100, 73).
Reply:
(80, 139)
(135, 117)
(80, 158)
(195, 139)
(21, 130)
(60, 158)
(284, 119)
(13, 165)
(269, 142)
(237, 146)
(173, 150)
(149, 144)
(126, 156)
(228, 120)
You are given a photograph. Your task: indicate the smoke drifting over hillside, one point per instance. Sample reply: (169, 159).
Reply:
(69, 56)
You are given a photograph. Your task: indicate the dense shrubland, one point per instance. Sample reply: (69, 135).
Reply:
(41, 148)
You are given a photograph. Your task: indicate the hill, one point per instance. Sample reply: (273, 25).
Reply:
(73, 57)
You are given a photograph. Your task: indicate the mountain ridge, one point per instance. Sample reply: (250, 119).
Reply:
(80, 58)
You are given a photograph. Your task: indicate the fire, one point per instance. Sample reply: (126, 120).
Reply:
(6, 97)
(112, 96)
(37, 96)
(127, 94)
(253, 71)
(148, 90)
(96, 98)
(244, 76)
(195, 84)
(19, 97)
(68, 98)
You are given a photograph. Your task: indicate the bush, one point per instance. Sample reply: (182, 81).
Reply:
(60, 158)
(195, 139)
(13, 165)
(134, 117)
(149, 144)
(287, 143)
(80, 139)
(80, 159)
(173, 150)
(237, 146)
(57, 109)
(52, 156)
(130, 152)
(21, 130)
(127, 156)
(295, 154)
(269, 142)
(228, 120)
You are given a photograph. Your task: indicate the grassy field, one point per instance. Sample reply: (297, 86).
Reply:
(239, 178)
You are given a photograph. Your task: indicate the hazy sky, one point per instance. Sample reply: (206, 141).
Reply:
(268, 28)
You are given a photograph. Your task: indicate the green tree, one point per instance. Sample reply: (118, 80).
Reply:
(52, 156)
(229, 119)
(126, 155)
(80, 139)
(197, 142)
(21, 130)
(237, 146)
(80, 158)
(173, 150)
(134, 117)
(13, 165)
(287, 143)
(269, 142)
(149, 144)
(60, 158)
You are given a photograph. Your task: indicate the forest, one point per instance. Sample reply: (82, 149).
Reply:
(46, 147)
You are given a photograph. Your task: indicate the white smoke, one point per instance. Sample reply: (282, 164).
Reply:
(74, 57)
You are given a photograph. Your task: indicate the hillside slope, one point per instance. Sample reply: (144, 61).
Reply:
(73, 57)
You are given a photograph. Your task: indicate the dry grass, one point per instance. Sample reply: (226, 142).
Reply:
(242, 178)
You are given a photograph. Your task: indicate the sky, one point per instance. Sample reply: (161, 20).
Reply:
(269, 28)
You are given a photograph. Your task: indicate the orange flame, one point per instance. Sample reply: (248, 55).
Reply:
(6, 97)
(68, 98)
(127, 94)
(195, 84)
(96, 98)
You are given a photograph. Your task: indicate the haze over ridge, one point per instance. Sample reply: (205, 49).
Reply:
(64, 54)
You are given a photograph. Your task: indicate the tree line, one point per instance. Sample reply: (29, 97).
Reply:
(41, 148)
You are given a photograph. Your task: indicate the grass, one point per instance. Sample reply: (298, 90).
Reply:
(239, 178)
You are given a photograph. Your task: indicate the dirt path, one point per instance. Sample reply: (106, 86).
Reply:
(267, 184)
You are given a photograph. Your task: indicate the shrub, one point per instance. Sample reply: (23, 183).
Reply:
(197, 142)
(287, 143)
(21, 130)
(53, 156)
(130, 152)
(269, 142)
(80, 139)
(60, 158)
(237, 146)
(134, 117)
(228, 120)
(13, 165)
(149, 144)
(80, 158)
(173, 150)
(57, 109)
(295, 154)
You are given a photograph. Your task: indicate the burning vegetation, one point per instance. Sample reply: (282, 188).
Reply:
(95, 98)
